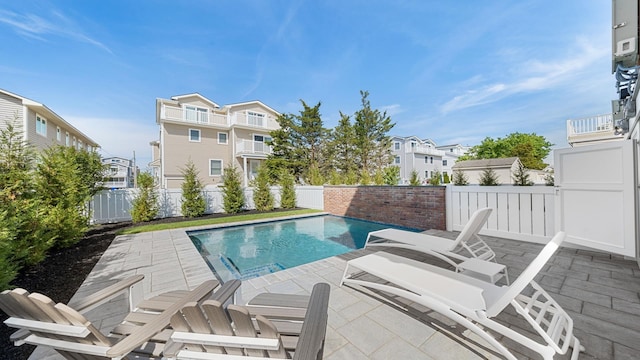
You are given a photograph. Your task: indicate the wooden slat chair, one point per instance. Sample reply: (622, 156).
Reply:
(62, 327)
(262, 329)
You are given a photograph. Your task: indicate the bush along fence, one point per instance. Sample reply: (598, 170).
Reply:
(115, 205)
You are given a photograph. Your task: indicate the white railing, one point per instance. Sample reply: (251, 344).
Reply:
(245, 118)
(589, 125)
(422, 149)
(252, 147)
(115, 205)
(179, 114)
(519, 212)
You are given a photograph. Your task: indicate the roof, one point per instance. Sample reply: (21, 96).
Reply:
(46, 112)
(178, 97)
(252, 102)
(485, 163)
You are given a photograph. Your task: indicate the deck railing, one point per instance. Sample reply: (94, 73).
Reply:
(252, 147)
(594, 124)
(179, 114)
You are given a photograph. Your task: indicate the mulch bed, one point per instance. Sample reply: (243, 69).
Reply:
(60, 275)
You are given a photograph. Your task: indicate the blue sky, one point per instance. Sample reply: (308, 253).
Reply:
(452, 73)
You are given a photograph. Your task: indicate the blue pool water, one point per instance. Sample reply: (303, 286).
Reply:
(247, 251)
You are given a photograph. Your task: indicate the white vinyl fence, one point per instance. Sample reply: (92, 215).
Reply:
(115, 205)
(519, 212)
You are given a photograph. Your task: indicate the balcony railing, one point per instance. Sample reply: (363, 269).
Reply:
(252, 147)
(421, 149)
(192, 116)
(247, 118)
(592, 129)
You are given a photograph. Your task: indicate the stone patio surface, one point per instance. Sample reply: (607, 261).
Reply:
(599, 291)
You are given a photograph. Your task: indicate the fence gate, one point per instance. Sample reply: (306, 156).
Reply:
(595, 189)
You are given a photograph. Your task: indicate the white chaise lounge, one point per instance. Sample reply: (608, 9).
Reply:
(447, 250)
(474, 303)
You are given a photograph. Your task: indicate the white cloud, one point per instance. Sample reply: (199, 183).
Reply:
(531, 76)
(37, 27)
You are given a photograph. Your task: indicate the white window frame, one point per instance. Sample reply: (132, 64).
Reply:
(221, 167)
(226, 135)
(396, 160)
(258, 118)
(58, 134)
(79, 144)
(41, 125)
(444, 162)
(67, 139)
(199, 135)
(396, 145)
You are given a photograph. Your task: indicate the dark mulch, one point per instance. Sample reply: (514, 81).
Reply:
(60, 275)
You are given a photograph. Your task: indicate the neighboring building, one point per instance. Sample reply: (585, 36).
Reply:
(41, 126)
(451, 155)
(411, 153)
(503, 167)
(120, 173)
(194, 127)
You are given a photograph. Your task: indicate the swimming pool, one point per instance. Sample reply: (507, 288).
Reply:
(247, 251)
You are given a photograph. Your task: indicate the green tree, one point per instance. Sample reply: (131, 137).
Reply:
(530, 148)
(287, 191)
(373, 144)
(298, 144)
(334, 177)
(342, 149)
(392, 175)
(435, 178)
(365, 178)
(351, 178)
(66, 180)
(378, 177)
(446, 179)
(145, 204)
(232, 194)
(521, 176)
(460, 178)
(22, 237)
(414, 178)
(193, 202)
(262, 197)
(489, 178)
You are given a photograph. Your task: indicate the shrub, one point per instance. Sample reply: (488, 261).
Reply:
(287, 191)
(314, 176)
(145, 204)
(378, 177)
(489, 178)
(414, 179)
(232, 194)
(460, 178)
(262, 197)
(445, 178)
(193, 202)
(365, 178)
(521, 176)
(392, 175)
(435, 178)
(351, 178)
(335, 178)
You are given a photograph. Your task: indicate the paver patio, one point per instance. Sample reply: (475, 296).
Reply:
(600, 292)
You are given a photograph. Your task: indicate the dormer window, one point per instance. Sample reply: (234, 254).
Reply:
(196, 114)
(254, 118)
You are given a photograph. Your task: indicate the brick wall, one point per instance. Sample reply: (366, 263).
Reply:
(421, 207)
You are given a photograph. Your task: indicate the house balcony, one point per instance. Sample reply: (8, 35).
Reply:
(175, 113)
(249, 147)
(591, 130)
(253, 120)
(423, 150)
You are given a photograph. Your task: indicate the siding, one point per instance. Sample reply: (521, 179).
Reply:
(9, 107)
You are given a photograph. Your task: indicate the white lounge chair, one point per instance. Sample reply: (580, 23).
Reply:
(446, 249)
(473, 303)
(142, 334)
(271, 326)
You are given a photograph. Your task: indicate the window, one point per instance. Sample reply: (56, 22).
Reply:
(196, 114)
(41, 125)
(426, 159)
(254, 118)
(259, 143)
(444, 162)
(396, 145)
(194, 135)
(426, 174)
(74, 141)
(58, 134)
(413, 144)
(66, 139)
(397, 160)
(451, 150)
(79, 144)
(215, 167)
(222, 138)
(431, 160)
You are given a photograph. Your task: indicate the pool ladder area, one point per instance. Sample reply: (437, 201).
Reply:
(251, 272)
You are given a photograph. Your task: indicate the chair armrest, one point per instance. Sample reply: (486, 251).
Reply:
(226, 291)
(104, 295)
(314, 329)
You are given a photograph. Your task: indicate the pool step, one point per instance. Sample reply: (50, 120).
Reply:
(249, 273)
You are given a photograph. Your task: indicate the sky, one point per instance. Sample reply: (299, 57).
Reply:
(453, 72)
